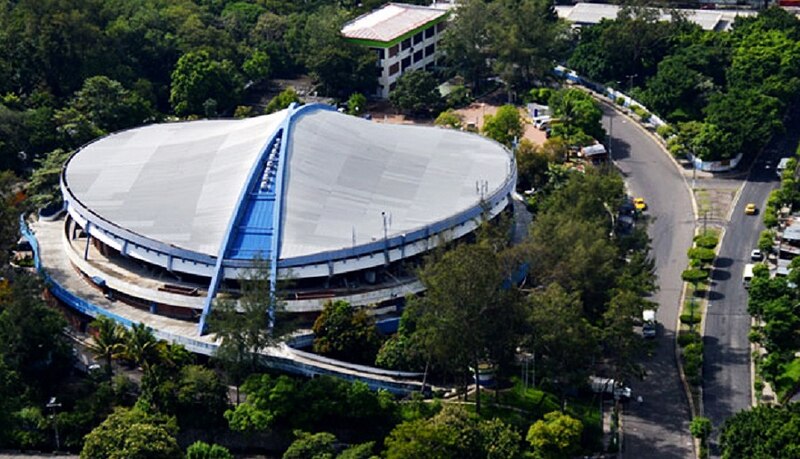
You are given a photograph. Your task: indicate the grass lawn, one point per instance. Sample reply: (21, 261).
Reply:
(788, 380)
(522, 407)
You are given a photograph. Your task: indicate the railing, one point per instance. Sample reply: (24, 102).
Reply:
(93, 310)
(366, 374)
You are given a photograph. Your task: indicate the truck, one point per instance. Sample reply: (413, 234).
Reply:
(649, 323)
(748, 275)
(609, 387)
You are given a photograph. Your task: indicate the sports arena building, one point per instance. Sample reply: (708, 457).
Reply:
(165, 217)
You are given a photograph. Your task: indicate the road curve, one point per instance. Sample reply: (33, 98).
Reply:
(659, 426)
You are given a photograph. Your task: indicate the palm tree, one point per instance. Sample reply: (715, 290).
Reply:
(107, 343)
(141, 346)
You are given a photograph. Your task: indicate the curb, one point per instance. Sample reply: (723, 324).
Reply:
(658, 141)
(677, 354)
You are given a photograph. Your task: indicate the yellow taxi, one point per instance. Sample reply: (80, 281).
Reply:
(639, 204)
(750, 209)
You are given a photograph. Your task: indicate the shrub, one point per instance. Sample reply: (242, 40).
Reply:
(689, 318)
(770, 220)
(641, 112)
(706, 240)
(620, 101)
(703, 254)
(693, 362)
(688, 337)
(458, 97)
(540, 95)
(665, 131)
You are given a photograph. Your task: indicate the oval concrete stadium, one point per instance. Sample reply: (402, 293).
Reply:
(340, 205)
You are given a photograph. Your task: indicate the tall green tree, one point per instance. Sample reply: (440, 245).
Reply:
(762, 432)
(417, 93)
(504, 126)
(466, 41)
(560, 336)
(133, 434)
(346, 332)
(464, 298)
(578, 117)
(453, 433)
(243, 325)
(108, 341)
(198, 78)
(557, 435)
(527, 39)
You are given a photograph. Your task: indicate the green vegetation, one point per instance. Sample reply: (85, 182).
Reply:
(344, 332)
(762, 432)
(518, 41)
(726, 93)
(577, 117)
(505, 126)
(701, 428)
(417, 93)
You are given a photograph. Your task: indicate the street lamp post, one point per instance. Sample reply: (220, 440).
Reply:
(52, 404)
(630, 82)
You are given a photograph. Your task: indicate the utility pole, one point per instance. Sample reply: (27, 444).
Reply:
(52, 404)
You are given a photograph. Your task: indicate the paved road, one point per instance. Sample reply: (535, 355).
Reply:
(726, 366)
(659, 427)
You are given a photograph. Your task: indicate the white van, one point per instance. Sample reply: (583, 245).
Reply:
(649, 323)
(748, 275)
(782, 166)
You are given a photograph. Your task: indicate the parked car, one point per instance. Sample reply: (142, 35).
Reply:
(756, 255)
(750, 209)
(640, 204)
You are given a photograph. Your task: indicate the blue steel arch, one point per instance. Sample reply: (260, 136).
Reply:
(254, 229)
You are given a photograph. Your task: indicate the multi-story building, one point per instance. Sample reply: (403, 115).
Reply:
(404, 37)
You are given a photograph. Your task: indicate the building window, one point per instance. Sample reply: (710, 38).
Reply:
(429, 50)
(378, 52)
(429, 67)
(392, 86)
(406, 44)
(394, 68)
(393, 50)
(418, 38)
(405, 63)
(441, 26)
(429, 32)
(417, 56)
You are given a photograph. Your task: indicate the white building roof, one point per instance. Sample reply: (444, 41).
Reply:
(593, 13)
(179, 183)
(175, 183)
(345, 171)
(391, 21)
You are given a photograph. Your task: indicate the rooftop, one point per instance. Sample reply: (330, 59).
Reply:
(391, 21)
(348, 181)
(593, 13)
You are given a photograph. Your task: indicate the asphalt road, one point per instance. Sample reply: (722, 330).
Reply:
(659, 426)
(726, 362)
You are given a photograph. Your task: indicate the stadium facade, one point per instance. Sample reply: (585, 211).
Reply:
(165, 217)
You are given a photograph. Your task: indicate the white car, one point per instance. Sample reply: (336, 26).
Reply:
(756, 255)
(541, 122)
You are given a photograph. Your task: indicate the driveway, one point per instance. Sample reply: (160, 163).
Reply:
(659, 426)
